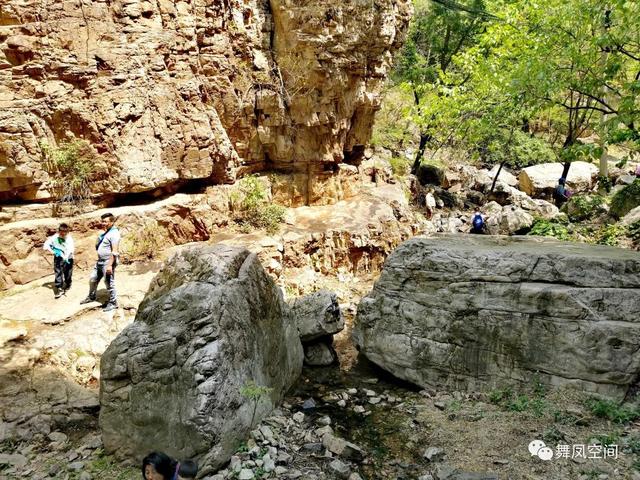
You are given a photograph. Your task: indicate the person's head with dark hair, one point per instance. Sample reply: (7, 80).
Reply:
(63, 230)
(158, 466)
(108, 219)
(187, 470)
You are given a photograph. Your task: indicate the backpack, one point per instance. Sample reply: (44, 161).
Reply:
(478, 223)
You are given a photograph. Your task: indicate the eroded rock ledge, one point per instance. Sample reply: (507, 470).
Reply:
(171, 91)
(474, 312)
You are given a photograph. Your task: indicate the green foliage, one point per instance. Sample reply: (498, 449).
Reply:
(551, 70)
(584, 207)
(613, 411)
(610, 234)
(70, 166)
(604, 184)
(626, 199)
(143, 243)
(550, 228)
(399, 166)
(254, 393)
(254, 211)
(393, 128)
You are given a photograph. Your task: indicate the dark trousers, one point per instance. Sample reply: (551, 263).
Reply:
(100, 271)
(63, 272)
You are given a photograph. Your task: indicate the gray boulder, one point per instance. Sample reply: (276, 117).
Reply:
(211, 323)
(480, 312)
(320, 354)
(540, 180)
(631, 217)
(317, 315)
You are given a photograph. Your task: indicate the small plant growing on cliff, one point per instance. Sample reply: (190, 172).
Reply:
(251, 202)
(254, 393)
(612, 411)
(70, 166)
(144, 243)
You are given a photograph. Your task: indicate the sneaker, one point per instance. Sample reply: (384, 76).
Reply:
(110, 307)
(57, 294)
(87, 300)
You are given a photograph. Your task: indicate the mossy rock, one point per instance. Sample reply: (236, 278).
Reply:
(626, 199)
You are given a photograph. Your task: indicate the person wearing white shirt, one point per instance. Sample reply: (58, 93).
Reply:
(62, 247)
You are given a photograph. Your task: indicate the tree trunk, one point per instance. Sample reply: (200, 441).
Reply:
(424, 139)
(604, 164)
(495, 179)
(565, 170)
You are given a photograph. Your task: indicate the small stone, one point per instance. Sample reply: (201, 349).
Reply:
(309, 404)
(268, 465)
(359, 409)
(313, 447)
(245, 474)
(58, 437)
(342, 403)
(352, 391)
(341, 469)
(501, 461)
(284, 458)
(324, 420)
(235, 464)
(342, 448)
(76, 466)
(370, 393)
(15, 460)
(85, 476)
(320, 432)
(355, 476)
(433, 454)
(298, 417)
(440, 405)
(375, 400)
(267, 433)
(280, 471)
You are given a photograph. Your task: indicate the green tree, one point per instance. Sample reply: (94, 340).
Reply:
(439, 31)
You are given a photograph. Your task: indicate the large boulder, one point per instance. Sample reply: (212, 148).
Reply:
(473, 311)
(540, 180)
(632, 217)
(212, 323)
(626, 199)
(317, 315)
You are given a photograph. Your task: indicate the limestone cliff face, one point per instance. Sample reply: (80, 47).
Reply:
(170, 91)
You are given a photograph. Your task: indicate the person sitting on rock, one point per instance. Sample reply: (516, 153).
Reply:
(62, 247)
(107, 250)
(477, 223)
(158, 466)
(561, 193)
(186, 470)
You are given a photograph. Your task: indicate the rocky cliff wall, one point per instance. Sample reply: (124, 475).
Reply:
(170, 92)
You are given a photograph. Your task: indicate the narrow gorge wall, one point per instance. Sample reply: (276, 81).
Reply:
(168, 92)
